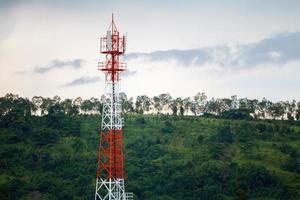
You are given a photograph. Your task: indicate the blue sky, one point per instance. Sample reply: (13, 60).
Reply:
(245, 48)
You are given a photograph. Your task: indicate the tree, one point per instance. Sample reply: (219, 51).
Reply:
(193, 108)
(36, 103)
(264, 108)
(187, 104)
(96, 105)
(234, 102)
(165, 101)
(291, 109)
(55, 109)
(174, 108)
(123, 100)
(277, 110)
(146, 102)
(67, 106)
(181, 110)
(87, 106)
(139, 105)
(227, 104)
(221, 106)
(253, 104)
(77, 102)
(56, 99)
(22, 105)
(6, 103)
(127, 104)
(142, 104)
(298, 111)
(12, 102)
(76, 105)
(175, 105)
(213, 107)
(199, 103)
(248, 104)
(157, 104)
(47, 103)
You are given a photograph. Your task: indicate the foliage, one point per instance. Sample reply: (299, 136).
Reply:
(199, 105)
(54, 155)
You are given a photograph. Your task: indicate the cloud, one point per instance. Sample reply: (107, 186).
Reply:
(185, 57)
(58, 64)
(277, 49)
(83, 80)
(128, 73)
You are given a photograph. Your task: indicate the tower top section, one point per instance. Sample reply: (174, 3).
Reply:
(113, 43)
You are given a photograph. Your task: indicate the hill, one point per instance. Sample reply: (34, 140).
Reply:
(166, 157)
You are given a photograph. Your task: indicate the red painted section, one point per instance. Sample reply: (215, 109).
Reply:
(110, 155)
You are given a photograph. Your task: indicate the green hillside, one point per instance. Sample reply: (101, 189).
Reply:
(166, 157)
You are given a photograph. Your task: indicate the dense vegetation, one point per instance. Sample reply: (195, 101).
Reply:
(54, 155)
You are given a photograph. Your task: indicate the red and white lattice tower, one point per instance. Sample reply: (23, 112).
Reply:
(110, 172)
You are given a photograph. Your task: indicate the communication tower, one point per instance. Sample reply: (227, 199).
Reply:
(110, 173)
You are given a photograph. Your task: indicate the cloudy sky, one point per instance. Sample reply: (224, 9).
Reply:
(249, 48)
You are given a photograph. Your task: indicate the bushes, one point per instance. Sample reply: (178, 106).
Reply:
(237, 114)
(287, 149)
(252, 178)
(224, 134)
(292, 165)
(140, 121)
(168, 127)
(259, 182)
(45, 136)
(12, 189)
(55, 157)
(241, 195)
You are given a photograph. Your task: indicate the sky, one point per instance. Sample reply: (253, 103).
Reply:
(248, 48)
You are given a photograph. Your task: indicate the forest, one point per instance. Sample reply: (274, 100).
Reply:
(198, 105)
(192, 148)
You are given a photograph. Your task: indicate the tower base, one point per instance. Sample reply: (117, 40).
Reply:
(111, 189)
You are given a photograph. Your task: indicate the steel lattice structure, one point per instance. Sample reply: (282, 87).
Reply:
(110, 172)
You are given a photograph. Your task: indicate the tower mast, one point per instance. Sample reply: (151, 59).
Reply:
(110, 172)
